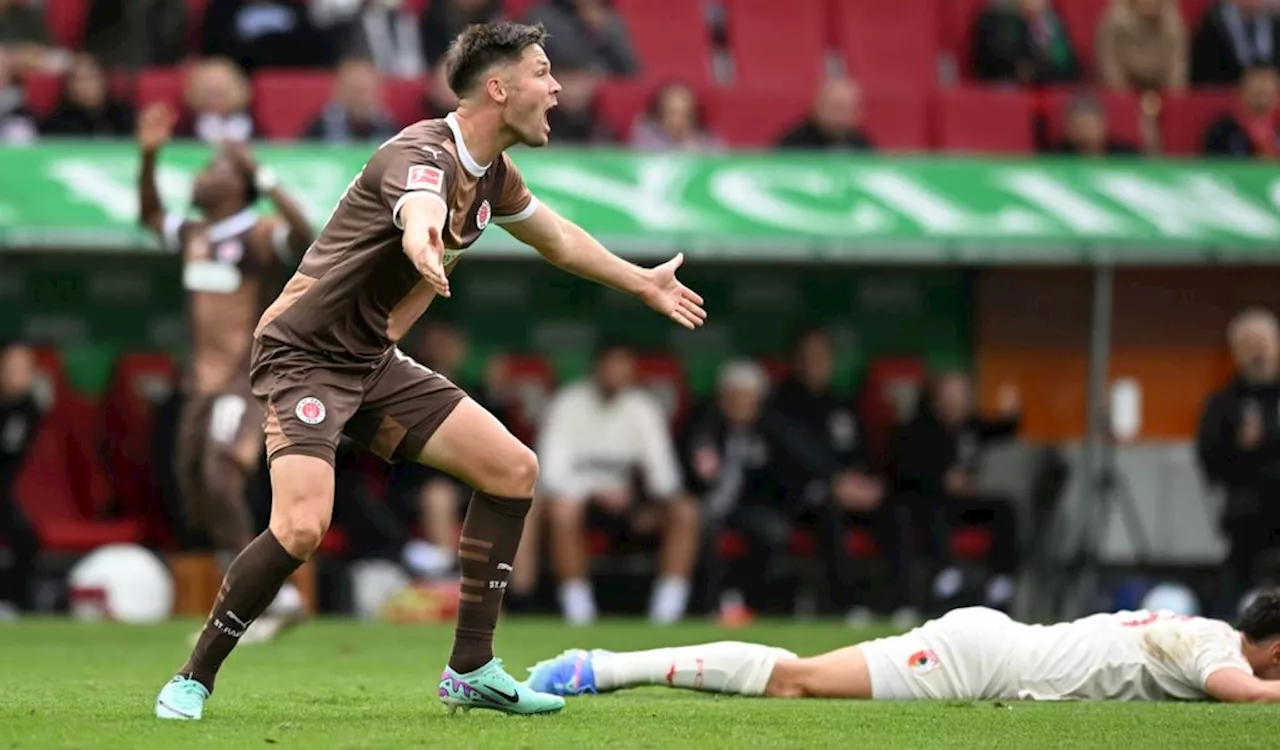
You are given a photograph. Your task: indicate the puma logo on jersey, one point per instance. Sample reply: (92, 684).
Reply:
(504, 566)
(435, 152)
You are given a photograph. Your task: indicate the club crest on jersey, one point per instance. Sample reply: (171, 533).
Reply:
(422, 177)
(923, 662)
(310, 410)
(483, 214)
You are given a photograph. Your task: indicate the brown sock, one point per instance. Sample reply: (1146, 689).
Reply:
(251, 583)
(490, 537)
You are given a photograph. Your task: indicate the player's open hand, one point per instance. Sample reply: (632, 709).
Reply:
(155, 126)
(673, 299)
(430, 262)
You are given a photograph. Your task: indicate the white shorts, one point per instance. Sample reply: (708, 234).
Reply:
(963, 655)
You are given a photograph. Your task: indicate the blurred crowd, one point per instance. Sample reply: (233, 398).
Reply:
(1141, 46)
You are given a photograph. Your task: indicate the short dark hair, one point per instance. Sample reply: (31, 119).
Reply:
(481, 45)
(1261, 619)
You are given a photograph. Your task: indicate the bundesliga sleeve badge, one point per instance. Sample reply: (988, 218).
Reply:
(422, 177)
(923, 662)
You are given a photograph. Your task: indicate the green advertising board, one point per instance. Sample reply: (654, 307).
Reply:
(762, 206)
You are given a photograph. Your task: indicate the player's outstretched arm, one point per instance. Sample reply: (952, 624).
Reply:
(155, 127)
(1230, 685)
(422, 215)
(570, 247)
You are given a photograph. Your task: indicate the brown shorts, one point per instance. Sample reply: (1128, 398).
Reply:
(392, 406)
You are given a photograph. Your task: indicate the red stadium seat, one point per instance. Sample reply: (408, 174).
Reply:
(860, 544)
(671, 38)
(42, 91)
(1122, 110)
(515, 9)
(1193, 12)
(66, 19)
(897, 120)
(731, 545)
(665, 377)
(778, 42)
(802, 543)
(1081, 17)
(985, 121)
(1187, 117)
(888, 43)
(406, 99)
(971, 543)
(286, 102)
(777, 369)
(621, 101)
(161, 85)
(750, 117)
(892, 56)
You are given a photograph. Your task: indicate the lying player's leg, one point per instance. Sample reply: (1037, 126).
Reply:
(724, 667)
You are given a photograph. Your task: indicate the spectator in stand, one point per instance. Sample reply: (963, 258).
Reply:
(26, 35)
(935, 460)
(440, 98)
(852, 494)
(674, 121)
(1238, 446)
(217, 106)
(19, 420)
(263, 34)
(445, 19)
(750, 467)
(357, 112)
(590, 30)
(86, 108)
(1142, 46)
(1023, 42)
(381, 30)
(1234, 36)
(575, 120)
(17, 124)
(596, 436)
(1252, 129)
(137, 33)
(1086, 132)
(432, 499)
(834, 123)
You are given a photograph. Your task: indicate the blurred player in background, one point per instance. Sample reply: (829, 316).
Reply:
(325, 358)
(227, 255)
(20, 418)
(972, 654)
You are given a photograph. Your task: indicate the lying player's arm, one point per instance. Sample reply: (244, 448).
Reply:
(568, 246)
(1231, 685)
(422, 214)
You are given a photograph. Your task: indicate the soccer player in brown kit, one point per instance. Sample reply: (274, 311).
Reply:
(227, 256)
(325, 359)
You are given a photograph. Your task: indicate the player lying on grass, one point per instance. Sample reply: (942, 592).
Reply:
(971, 654)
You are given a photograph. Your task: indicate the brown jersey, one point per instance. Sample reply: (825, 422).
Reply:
(224, 264)
(356, 293)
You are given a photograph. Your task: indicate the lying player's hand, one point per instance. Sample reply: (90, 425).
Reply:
(430, 261)
(155, 126)
(668, 296)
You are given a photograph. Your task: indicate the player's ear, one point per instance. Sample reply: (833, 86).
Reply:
(496, 87)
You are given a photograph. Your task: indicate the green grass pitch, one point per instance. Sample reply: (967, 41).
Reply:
(337, 684)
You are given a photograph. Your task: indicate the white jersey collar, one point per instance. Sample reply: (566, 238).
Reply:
(468, 161)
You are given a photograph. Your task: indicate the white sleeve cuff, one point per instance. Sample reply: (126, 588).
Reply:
(171, 231)
(395, 212)
(515, 218)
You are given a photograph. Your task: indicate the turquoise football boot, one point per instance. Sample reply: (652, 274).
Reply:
(181, 698)
(490, 687)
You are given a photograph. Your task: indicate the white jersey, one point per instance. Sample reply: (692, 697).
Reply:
(979, 654)
(1142, 655)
